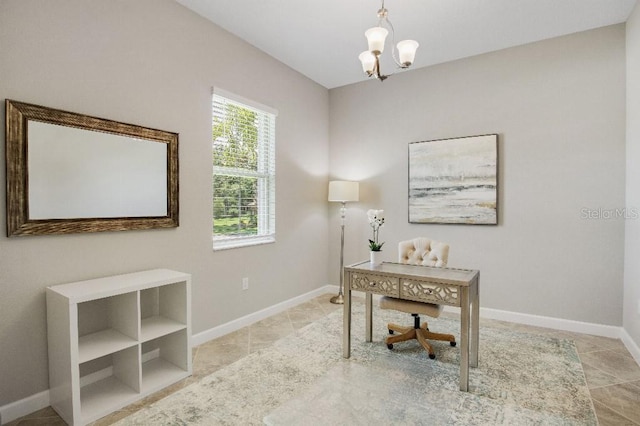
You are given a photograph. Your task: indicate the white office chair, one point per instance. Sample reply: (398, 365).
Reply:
(425, 252)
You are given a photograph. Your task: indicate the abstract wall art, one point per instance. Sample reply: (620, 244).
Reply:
(454, 181)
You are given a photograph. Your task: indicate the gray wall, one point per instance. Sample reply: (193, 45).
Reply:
(632, 231)
(153, 63)
(559, 108)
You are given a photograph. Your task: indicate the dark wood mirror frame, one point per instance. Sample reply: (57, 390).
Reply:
(17, 174)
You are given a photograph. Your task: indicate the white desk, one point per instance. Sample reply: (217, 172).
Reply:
(444, 286)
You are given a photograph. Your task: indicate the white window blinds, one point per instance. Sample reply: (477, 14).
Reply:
(243, 144)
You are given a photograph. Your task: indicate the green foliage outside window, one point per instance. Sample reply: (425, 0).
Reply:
(235, 190)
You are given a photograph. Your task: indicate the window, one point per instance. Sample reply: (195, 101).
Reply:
(243, 142)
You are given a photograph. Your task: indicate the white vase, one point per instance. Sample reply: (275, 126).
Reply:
(375, 257)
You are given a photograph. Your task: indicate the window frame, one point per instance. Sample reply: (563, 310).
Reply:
(265, 174)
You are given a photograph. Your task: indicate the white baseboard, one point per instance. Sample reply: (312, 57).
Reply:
(553, 323)
(563, 325)
(96, 376)
(632, 346)
(556, 324)
(22, 407)
(541, 321)
(237, 324)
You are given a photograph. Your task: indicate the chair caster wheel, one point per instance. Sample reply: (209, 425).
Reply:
(389, 346)
(432, 356)
(390, 331)
(452, 343)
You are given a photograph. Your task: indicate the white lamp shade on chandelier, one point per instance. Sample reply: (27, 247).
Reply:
(368, 60)
(407, 52)
(376, 37)
(343, 191)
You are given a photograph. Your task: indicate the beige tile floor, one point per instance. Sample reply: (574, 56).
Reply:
(612, 374)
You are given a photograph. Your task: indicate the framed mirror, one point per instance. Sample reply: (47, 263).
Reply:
(70, 173)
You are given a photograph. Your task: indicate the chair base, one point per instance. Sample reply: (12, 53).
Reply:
(421, 334)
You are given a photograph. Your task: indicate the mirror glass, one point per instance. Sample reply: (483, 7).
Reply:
(75, 173)
(67, 172)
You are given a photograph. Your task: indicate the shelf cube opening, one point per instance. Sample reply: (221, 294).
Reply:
(115, 312)
(168, 301)
(165, 356)
(114, 377)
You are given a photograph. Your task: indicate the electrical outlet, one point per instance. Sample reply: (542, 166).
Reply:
(245, 283)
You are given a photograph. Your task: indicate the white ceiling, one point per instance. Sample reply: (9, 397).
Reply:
(322, 39)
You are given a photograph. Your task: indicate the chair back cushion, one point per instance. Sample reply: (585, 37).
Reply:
(423, 251)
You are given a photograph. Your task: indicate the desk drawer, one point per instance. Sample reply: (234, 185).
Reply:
(380, 284)
(432, 292)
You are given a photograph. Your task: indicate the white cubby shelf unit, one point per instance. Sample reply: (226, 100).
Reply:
(115, 340)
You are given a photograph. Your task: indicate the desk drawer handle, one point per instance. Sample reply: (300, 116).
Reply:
(430, 290)
(372, 284)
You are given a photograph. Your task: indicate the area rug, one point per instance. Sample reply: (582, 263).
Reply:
(522, 379)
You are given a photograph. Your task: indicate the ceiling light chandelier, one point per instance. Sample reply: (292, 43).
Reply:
(376, 37)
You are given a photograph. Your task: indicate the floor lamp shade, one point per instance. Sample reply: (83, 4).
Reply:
(343, 191)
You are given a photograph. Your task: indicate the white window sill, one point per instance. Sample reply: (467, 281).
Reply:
(242, 242)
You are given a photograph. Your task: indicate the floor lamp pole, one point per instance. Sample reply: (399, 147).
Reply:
(339, 299)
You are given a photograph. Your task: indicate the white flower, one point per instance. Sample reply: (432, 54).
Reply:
(376, 220)
(375, 216)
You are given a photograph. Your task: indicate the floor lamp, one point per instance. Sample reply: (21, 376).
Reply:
(342, 192)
